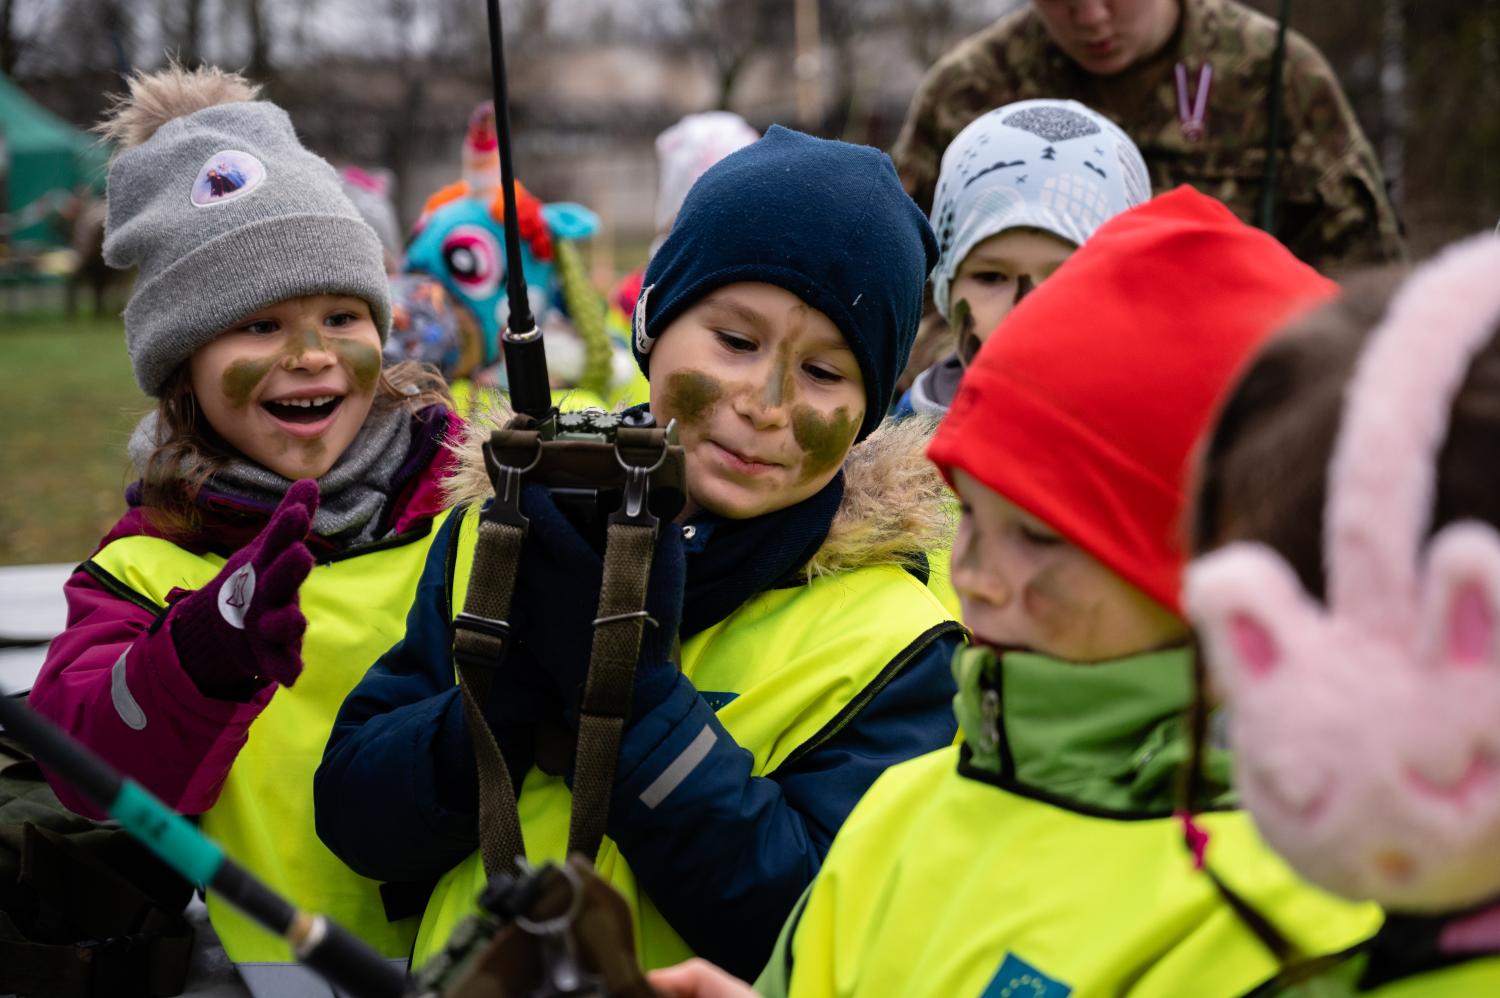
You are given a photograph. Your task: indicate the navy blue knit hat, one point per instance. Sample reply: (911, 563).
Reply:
(825, 220)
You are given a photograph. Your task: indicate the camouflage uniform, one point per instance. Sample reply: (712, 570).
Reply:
(1331, 206)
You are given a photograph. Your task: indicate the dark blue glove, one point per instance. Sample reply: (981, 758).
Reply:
(557, 598)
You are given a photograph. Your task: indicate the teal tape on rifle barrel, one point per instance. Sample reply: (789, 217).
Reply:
(168, 834)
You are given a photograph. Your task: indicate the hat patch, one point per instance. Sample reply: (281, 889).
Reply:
(227, 175)
(642, 341)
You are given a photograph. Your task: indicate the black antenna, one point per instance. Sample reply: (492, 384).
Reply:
(521, 340)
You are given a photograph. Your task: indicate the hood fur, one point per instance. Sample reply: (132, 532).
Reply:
(895, 504)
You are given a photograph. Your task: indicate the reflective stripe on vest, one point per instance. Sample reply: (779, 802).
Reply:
(939, 884)
(356, 610)
(796, 663)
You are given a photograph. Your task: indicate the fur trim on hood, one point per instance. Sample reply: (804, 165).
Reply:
(895, 505)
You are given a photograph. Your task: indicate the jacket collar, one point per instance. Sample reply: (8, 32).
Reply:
(893, 505)
(1105, 738)
(230, 522)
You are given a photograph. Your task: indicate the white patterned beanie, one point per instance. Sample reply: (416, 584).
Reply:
(1052, 165)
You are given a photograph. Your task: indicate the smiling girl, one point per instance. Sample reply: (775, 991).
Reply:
(773, 323)
(220, 622)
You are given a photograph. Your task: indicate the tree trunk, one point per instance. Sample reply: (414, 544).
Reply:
(190, 51)
(1489, 70)
(7, 36)
(260, 41)
(1393, 97)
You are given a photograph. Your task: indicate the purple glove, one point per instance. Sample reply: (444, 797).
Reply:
(245, 626)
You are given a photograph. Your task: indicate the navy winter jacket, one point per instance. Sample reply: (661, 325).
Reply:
(724, 857)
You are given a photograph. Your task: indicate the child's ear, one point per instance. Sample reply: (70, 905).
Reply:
(568, 220)
(1462, 597)
(1247, 606)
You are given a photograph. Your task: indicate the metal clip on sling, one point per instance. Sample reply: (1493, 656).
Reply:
(635, 510)
(474, 658)
(506, 506)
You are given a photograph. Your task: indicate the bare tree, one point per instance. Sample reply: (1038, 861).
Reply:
(260, 39)
(181, 26)
(1393, 97)
(9, 42)
(929, 26)
(728, 33)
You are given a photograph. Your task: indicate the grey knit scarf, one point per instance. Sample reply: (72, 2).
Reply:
(352, 494)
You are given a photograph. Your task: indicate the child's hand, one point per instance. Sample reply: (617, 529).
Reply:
(698, 978)
(245, 626)
(557, 598)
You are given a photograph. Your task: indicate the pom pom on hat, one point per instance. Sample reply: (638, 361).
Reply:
(1086, 404)
(827, 221)
(224, 212)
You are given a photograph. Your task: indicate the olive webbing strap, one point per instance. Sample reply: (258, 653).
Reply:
(479, 652)
(628, 549)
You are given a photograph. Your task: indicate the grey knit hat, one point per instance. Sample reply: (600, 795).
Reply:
(225, 213)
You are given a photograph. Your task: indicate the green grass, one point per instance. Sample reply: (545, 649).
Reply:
(66, 412)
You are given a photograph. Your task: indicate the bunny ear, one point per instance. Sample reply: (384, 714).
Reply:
(1461, 607)
(1249, 610)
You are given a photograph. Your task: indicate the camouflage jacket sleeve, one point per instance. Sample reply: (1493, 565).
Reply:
(970, 79)
(1334, 211)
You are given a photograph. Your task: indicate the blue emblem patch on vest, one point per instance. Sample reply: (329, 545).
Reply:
(717, 700)
(1018, 979)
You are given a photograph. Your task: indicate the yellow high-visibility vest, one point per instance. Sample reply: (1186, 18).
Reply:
(942, 884)
(356, 607)
(798, 662)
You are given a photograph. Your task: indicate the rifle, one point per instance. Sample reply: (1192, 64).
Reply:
(619, 478)
(322, 944)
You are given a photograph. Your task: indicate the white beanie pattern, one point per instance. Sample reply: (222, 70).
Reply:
(1053, 165)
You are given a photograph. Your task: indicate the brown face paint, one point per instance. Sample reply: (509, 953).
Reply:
(692, 395)
(963, 324)
(362, 360)
(779, 386)
(240, 378)
(825, 440)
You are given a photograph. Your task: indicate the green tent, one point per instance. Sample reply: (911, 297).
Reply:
(41, 155)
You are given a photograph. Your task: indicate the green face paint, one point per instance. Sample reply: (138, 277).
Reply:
(779, 386)
(692, 395)
(824, 439)
(362, 360)
(240, 378)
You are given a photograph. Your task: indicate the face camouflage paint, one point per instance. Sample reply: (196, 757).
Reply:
(290, 386)
(767, 396)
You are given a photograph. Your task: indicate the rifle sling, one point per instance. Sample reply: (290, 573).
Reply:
(481, 641)
(611, 678)
(479, 654)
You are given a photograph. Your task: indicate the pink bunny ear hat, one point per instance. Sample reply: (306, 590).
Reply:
(1367, 731)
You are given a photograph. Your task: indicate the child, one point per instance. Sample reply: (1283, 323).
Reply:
(256, 323)
(1042, 857)
(1350, 617)
(1021, 188)
(773, 323)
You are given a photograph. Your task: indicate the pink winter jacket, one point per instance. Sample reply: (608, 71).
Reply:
(194, 738)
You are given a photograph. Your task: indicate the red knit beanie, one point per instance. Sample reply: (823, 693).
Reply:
(1085, 405)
